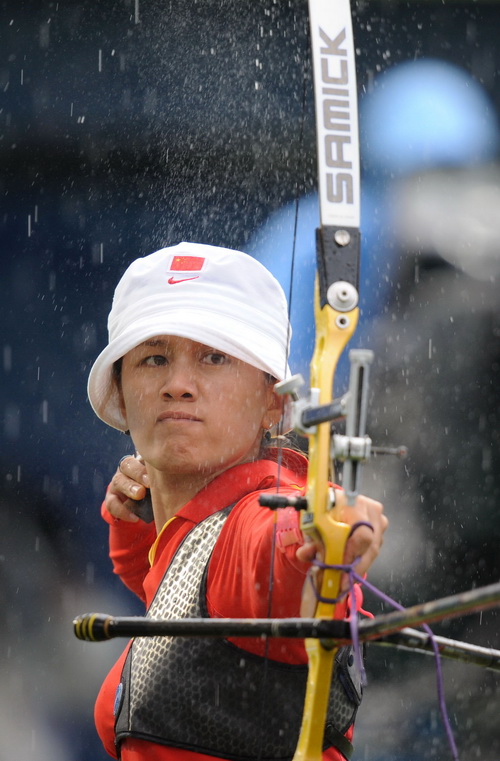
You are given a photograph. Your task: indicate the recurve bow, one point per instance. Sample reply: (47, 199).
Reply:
(336, 317)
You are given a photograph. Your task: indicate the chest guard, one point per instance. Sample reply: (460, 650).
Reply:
(209, 696)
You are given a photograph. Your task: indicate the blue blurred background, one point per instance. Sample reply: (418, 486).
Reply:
(128, 126)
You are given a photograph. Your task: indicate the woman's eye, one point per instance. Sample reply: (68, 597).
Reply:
(155, 360)
(215, 358)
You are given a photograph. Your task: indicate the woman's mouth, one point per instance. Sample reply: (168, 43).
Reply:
(178, 417)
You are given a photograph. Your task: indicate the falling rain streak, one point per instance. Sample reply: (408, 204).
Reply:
(97, 253)
(7, 358)
(32, 219)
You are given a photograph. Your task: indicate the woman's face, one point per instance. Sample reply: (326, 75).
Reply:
(193, 409)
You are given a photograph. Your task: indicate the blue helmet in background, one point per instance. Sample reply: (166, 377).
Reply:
(423, 114)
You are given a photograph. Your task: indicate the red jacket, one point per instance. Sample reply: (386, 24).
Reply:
(238, 578)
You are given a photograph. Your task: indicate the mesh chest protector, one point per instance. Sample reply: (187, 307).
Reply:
(209, 696)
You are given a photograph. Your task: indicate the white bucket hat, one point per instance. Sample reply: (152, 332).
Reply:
(216, 296)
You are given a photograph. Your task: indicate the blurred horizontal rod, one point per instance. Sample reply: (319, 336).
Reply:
(417, 641)
(406, 639)
(98, 627)
(461, 604)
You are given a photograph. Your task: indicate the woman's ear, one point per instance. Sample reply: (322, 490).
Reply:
(274, 410)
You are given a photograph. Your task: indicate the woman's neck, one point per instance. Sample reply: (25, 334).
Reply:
(170, 493)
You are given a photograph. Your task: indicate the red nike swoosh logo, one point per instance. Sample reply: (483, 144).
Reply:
(172, 280)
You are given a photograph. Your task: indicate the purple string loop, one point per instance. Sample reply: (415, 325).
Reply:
(358, 525)
(353, 618)
(356, 645)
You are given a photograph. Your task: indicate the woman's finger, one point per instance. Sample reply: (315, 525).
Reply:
(127, 486)
(124, 491)
(118, 509)
(370, 523)
(135, 469)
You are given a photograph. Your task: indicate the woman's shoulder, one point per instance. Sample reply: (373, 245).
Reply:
(290, 460)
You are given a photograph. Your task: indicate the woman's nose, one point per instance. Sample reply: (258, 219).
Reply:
(179, 382)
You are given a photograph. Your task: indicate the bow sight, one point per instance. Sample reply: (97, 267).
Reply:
(354, 447)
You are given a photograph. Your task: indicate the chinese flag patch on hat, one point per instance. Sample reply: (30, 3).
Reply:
(187, 264)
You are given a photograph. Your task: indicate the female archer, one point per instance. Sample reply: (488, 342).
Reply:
(198, 336)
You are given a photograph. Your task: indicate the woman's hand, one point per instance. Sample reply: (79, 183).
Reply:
(128, 486)
(364, 543)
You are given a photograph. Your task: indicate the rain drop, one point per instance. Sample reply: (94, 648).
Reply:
(7, 358)
(12, 421)
(44, 35)
(90, 573)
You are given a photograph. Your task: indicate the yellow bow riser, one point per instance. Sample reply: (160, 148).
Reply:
(322, 521)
